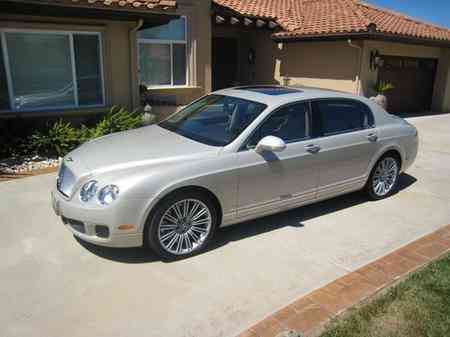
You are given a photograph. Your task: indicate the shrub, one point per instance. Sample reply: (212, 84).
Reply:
(63, 137)
(58, 140)
(383, 87)
(116, 120)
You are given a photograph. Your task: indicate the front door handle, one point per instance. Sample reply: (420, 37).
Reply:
(372, 137)
(312, 148)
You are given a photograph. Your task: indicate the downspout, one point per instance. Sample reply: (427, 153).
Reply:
(358, 83)
(134, 64)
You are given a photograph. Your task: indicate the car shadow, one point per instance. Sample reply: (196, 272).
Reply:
(292, 218)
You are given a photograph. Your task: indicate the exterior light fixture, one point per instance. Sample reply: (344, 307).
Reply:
(376, 61)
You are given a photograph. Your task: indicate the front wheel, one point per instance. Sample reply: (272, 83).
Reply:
(383, 180)
(182, 225)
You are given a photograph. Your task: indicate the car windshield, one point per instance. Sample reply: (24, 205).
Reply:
(214, 120)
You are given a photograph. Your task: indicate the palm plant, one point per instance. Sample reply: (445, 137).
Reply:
(382, 87)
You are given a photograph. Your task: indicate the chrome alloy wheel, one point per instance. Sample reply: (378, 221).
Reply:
(385, 176)
(184, 226)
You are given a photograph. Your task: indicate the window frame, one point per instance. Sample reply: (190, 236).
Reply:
(308, 124)
(70, 34)
(184, 42)
(317, 122)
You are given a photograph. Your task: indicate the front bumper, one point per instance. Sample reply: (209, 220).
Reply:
(84, 223)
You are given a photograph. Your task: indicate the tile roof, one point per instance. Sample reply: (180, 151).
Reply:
(130, 4)
(303, 18)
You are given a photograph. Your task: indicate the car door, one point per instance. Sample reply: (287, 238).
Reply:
(347, 138)
(272, 181)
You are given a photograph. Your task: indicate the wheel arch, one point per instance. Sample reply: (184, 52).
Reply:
(188, 188)
(394, 149)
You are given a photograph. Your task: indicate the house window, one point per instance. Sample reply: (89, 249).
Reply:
(162, 54)
(50, 70)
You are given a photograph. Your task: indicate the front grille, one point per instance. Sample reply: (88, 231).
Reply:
(75, 224)
(66, 181)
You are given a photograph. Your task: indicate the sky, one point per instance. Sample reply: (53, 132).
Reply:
(433, 11)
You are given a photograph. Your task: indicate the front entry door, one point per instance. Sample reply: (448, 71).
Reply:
(225, 62)
(272, 181)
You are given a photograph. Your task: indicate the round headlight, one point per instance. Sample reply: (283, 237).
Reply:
(108, 194)
(88, 191)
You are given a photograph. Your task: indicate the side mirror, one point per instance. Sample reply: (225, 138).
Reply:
(270, 143)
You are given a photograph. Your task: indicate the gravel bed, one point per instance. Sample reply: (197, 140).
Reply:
(27, 164)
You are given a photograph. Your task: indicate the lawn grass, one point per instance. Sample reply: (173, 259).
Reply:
(416, 307)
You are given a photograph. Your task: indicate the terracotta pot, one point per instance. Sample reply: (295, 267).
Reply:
(381, 100)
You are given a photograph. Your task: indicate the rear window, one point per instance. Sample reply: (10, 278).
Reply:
(342, 116)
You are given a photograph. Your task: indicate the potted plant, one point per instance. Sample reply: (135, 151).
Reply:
(381, 88)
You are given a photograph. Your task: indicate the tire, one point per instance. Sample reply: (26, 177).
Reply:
(383, 180)
(173, 234)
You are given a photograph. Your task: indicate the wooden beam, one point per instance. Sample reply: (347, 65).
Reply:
(220, 19)
(273, 24)
(247, 22)
(234, 21)
(260, 23)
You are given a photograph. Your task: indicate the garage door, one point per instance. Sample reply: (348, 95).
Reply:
(413, 79)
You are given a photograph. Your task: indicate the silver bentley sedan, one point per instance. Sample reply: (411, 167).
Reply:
(233, 155)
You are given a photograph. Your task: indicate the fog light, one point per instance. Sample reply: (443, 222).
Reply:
(102, 231)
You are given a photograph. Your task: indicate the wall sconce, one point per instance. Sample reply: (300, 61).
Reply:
(251, 56)
(375, 60)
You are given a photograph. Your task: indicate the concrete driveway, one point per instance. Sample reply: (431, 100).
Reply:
(53, 285)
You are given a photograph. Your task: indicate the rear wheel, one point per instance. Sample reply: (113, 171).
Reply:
(383, 180)
(182, 225)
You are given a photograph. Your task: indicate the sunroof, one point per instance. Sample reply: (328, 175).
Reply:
(271, 91)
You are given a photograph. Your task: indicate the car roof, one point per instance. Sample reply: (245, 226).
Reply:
(278, 95)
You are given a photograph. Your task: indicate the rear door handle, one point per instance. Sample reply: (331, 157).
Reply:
(312, 148)
(372, 137)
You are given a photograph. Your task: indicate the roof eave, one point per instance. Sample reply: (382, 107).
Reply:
(362, 36)
(97, 5)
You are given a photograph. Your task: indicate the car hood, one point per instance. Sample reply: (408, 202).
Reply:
(138, 147)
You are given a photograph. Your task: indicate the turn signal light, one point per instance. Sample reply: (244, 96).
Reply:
(126, 227)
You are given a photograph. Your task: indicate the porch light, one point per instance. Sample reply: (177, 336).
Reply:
(247, 22)
(234, 21)
(375, 60)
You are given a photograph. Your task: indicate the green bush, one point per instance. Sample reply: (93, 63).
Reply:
(383, 87)
(58, 140)
(63, 137)
(116, 120)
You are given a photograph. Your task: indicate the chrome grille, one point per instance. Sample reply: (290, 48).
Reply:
(66, 181)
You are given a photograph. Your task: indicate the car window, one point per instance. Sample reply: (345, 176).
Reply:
(214, 120)
(289, 123)
(341, 116)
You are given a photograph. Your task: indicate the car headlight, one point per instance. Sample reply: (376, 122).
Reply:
(108, 194)
(88, 191)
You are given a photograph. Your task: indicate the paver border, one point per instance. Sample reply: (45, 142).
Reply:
(310, 313)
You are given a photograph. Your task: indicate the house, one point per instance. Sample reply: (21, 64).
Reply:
(80, 57)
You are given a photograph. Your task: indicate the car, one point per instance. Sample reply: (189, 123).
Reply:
(233, 155)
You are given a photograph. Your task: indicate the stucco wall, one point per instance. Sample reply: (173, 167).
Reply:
(120, 53)
(199, 53)
(441, 86)
(331, 65)
(115, 44)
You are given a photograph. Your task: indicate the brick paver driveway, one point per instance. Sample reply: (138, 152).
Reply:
(53, 285)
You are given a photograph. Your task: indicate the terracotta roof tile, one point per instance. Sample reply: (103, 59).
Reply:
(300, 18)
(395, 23)
(135, 4)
